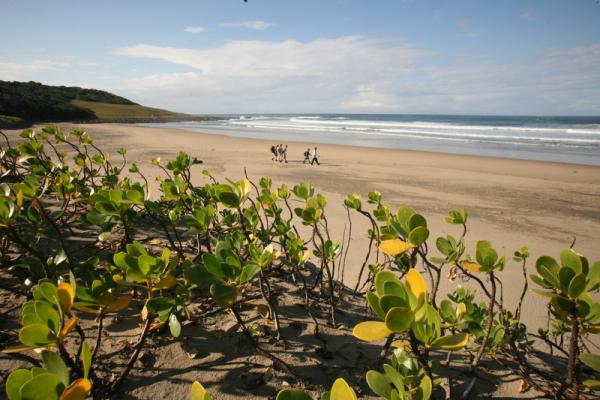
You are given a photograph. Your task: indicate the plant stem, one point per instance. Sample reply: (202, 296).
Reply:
(99, 336)
(134, 356)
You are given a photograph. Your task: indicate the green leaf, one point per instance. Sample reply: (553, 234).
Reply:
(292, 394)
(15, 381)
(418, 235)
(451, 342)
(381, 278)
(394, 377)
(544, 293)
(565, 275)
(577, 286)
(591, 360)
(45, 386)
(593, 276)
(145, 263)
(379, 384)
(386, 303)
(224, 294)
(56, 365)
(426, 388)
(570, 259)
(47, 291)
(160, 305)
(540, 281)
(174, 325)
(374, 303)
(549, 275)
(485, 254)
(248, 272)
(86, 359)
(41, 312)
(398, 319)
(36, 335)
(213, 266)
(417, 220)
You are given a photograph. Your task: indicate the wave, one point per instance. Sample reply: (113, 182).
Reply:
(447, 126)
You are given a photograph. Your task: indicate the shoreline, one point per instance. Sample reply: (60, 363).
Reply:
(429, 155)
(559, 144)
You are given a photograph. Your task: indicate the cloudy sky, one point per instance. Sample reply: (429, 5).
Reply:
(516, 57)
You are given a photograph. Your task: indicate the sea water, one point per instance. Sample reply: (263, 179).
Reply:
(558, 139)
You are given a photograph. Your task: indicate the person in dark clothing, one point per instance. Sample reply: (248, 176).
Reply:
(306, 156)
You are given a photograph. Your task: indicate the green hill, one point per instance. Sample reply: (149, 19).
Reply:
(23, 103)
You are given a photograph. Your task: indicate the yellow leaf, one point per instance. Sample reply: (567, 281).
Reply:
(341, 391)
(371, 331)
(155, 241)
(78, 390)
(393, 247)
(117, 279)
(416, 283)
(79, 307)
(20, 198)
(471, 266)
(66, 296)
(451, 342)
(17, 349)
(119, 304)
(593, 328)
(166, 283)
(402, 344)
(67, 328)
(198, 392)
(156, 326)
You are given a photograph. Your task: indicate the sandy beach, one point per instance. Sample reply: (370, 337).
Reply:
(512, 203)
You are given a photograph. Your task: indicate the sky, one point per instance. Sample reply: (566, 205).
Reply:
(493, 57)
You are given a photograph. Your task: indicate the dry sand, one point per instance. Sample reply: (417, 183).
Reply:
(512, 203)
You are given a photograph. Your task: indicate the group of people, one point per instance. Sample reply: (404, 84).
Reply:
(311, 156)
(279, 152)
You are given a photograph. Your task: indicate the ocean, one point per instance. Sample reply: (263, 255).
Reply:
(559, 139)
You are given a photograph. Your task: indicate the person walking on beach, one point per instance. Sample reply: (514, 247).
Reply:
(306, 156)
(280, 152)
(284, 154)
(274, 152)
(314, 157)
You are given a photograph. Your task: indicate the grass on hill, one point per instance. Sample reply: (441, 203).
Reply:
(127, 112)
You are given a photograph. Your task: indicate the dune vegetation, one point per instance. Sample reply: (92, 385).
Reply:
(83, 234)
(22, 103)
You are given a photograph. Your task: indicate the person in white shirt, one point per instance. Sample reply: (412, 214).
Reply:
(314, 157)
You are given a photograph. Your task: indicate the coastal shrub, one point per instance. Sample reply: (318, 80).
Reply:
(82, 232)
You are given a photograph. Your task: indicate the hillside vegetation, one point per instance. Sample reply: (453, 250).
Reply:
(34, 102)
(127, 112)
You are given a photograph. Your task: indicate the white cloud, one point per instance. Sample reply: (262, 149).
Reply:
(526, 15)
(258, 25)
(194, 29)
(358, 74)
(30, 70)
(263, 76)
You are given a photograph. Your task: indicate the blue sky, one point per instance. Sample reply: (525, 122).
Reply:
(459, 57)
